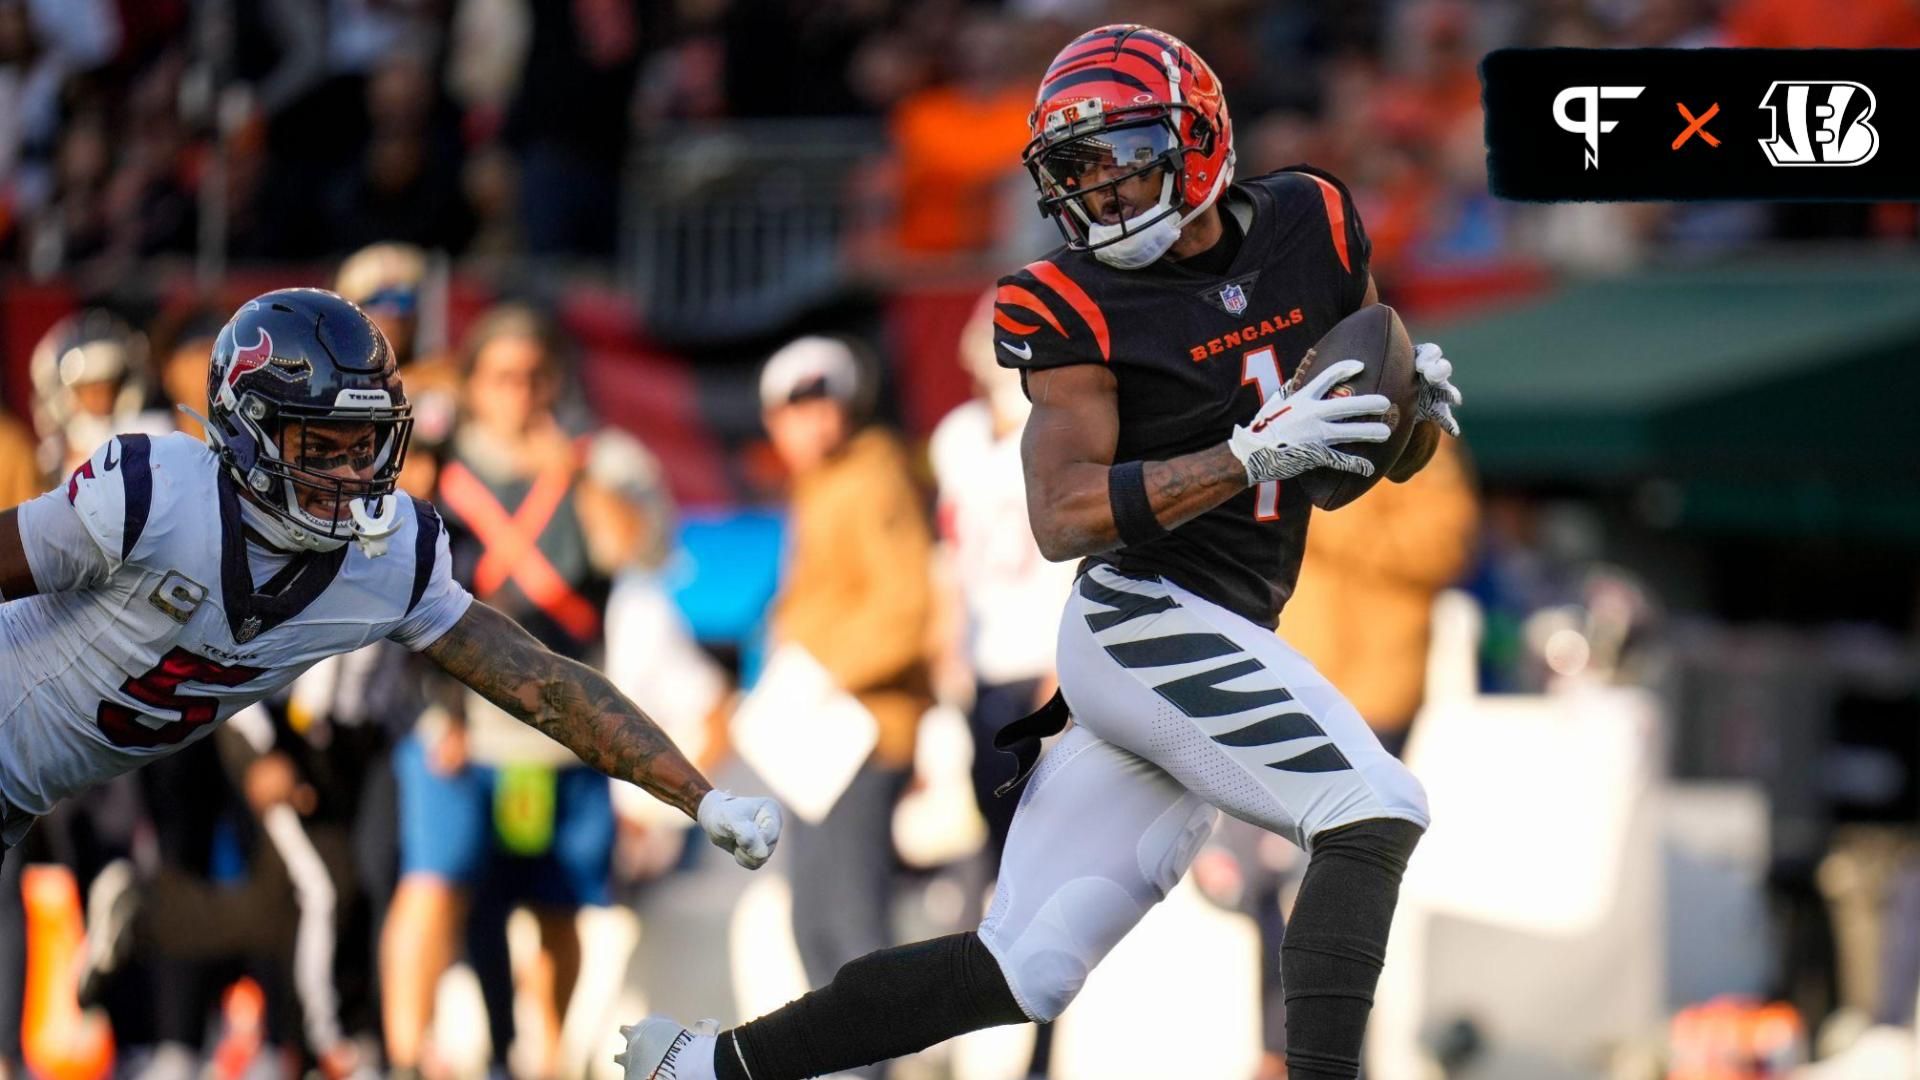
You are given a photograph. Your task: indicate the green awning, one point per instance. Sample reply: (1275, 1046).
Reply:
(1789, 382)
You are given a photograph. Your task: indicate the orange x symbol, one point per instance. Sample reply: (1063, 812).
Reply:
(1697, 125)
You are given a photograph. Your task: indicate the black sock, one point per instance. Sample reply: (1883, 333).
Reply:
(885, 1004)
(1336, 944)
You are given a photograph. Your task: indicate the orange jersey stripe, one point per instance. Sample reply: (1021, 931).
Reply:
(1077, 297)
(1015, 296)
(1336, 219)
(1005, 322)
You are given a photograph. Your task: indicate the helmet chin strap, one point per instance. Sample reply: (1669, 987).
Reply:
(371, 531)
(1137, 249)
(283, 534)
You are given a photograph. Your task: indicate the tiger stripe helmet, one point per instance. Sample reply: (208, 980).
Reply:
(1135, 98)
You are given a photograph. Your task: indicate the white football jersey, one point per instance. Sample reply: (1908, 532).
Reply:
(1013, 594)
(149, 628)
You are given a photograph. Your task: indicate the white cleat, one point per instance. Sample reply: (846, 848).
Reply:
(661, 1049)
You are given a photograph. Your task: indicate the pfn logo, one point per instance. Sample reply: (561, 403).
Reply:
(1589, 124)
(1826, 124)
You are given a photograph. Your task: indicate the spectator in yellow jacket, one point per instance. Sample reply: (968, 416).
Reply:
(1361, 611)
(857, 595)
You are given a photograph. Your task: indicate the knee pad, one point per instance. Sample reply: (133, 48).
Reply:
(1047, 962)
(1055, 917)
(1046, 982)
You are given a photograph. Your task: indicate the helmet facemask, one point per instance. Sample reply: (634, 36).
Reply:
(313, 427)
(1065, 165)
(296, 456)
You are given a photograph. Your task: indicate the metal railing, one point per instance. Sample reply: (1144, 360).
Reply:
(729, 232)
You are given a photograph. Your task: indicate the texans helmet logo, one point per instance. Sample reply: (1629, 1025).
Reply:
(248, 359)
(259, 356)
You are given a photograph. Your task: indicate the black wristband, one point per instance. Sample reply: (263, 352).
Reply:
(1132, 512)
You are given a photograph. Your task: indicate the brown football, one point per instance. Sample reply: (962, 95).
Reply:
(1375, 336)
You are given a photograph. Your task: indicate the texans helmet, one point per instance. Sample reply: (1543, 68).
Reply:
(300, 358)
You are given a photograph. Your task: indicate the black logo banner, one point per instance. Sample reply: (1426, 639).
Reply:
(1682, 124)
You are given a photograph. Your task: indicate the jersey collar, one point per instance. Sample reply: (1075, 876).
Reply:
(251, 613)
(1239, 204)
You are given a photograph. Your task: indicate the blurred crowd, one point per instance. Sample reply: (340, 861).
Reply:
(338, 848)
(302, 129)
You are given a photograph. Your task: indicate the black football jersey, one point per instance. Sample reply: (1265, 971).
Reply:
(1194, 353)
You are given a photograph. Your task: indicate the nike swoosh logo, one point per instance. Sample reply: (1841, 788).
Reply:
(1261, 424)
(1024, 352)
(110, 462)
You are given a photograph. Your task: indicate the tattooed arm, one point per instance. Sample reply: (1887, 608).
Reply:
(570, 701)
(1068, 449)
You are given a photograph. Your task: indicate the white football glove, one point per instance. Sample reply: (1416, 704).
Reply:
(746, 828)
(1438, 396)
(1295, 430)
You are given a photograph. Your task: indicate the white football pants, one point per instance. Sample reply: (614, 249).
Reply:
(1181, 709)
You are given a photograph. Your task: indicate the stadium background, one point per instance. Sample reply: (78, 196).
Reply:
(1674, 725)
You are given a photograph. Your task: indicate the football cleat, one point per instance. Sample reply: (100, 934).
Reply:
(659, 1048)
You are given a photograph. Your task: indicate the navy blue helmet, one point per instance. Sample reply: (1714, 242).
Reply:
(302, 387)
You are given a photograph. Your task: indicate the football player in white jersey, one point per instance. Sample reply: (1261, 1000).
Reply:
(172, 582)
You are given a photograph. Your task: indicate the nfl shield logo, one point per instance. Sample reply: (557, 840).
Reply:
(1234, 299)
(247, 630)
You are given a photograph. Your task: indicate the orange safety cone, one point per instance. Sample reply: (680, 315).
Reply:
(59, 1041)
(243, 1015)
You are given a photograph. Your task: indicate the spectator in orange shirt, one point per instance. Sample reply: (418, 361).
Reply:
(954, 142)
(1800, 24)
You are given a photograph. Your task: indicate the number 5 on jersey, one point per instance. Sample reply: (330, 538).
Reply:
(159, 690)
(1262, 368)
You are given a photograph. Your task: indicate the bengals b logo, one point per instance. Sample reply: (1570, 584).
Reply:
(1820, 123)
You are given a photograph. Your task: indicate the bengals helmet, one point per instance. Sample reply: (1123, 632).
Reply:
(1133, 99)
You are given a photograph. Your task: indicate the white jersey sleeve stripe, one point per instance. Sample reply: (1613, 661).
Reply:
(426, 543)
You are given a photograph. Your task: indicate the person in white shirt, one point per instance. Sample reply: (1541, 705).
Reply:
(1009, 593)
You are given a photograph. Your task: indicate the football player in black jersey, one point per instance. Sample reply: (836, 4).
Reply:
(1156, 347)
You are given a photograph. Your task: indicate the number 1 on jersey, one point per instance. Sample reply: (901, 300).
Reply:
(1262, 368)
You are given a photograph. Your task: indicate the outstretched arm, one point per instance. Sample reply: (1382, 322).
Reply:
(569, 701)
